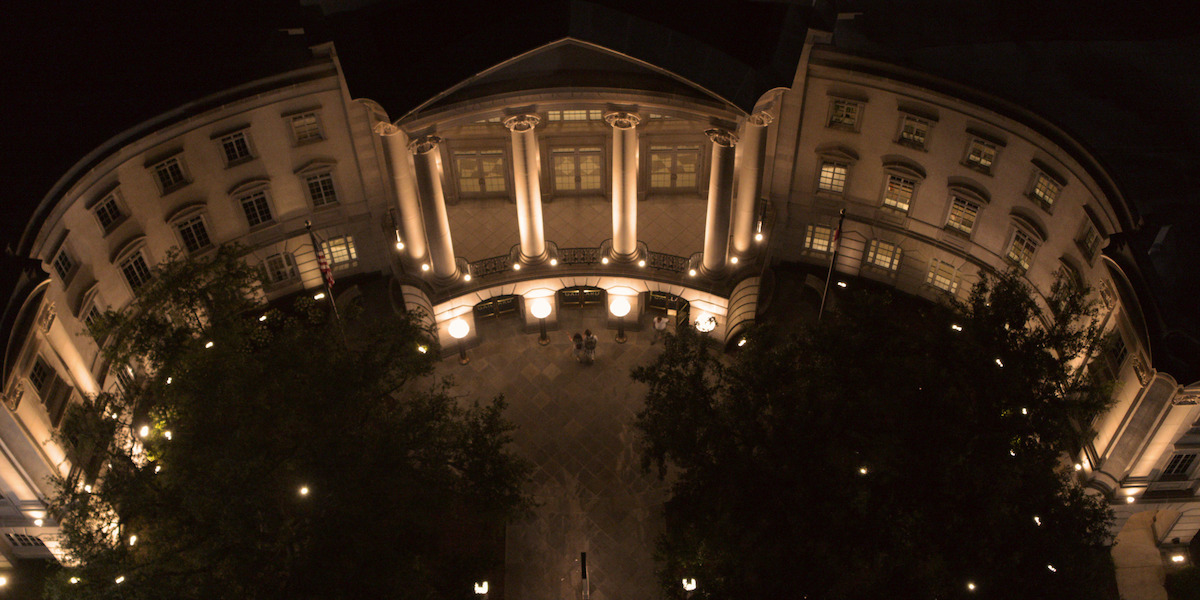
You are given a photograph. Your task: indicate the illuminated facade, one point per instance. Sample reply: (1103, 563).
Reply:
(635, 183)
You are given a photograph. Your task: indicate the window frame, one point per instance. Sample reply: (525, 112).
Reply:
(317, 125)
(932, 275)
(1021, 243)
(458, 153)
(289, 265)
(811, 238)
(977, 165)
(333, 198)
(327, 248)
(114, 199)
(904, 172)
(228, 140)
(918, 119)
(1173, 471)
(871, 258)
(677, 146)
(833, 122)
(158, 168)
(126, 261)
(65, 274)
(191, 217)
(560, 148)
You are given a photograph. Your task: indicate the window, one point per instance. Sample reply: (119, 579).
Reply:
(898, 193)
(1045, 190)
(93, 313)
(1088, 240)
(577, 169)
(340, 251)
(884, 255)
(306, 128)
(257, 208)
(674, 166)
(1021, 249)
(943, 276)
(844, 114)
(236, 148)
(40, 376)
(980, 155)
(108, 212)
(1178, 466)
(320, 189)
(914, 132)
(963, 213)
(23, 540)
(574, 115)
(193, 233)
(169, 175)
(480, 171)
(64, 265)
(280, 268)
(135, 270)
(833, 177)
(818, 238)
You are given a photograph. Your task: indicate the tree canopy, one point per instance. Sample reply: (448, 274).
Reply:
(259, 454)
(899, 448)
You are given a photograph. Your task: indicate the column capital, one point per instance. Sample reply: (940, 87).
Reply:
(424, 144)
(383, 128)
(760, 119)
(622, 120)
(722, 137)
(522, 123)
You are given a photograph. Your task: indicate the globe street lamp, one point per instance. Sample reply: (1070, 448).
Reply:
(458, 330)
(620, 307)
(541, 310)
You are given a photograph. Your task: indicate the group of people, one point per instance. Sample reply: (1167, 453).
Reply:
(585, 344)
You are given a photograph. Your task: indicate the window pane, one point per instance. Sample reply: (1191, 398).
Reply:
(818, 238)
(962, 215)
(320, 189)
(194, 234)
(257, 210)
(833, 177)
(899, 192)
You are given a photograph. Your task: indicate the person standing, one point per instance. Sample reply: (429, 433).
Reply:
(590, 341)
(577, 342)
(660, 328)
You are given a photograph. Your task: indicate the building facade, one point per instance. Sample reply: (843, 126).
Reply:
(578, 173)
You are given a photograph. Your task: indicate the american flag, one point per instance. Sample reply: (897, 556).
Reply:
(323, 264)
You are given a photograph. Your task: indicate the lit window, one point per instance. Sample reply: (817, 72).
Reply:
(63, 264)
(574, 115)
(108, 212)
(480, 171)
(832, 177)
(943, 276)
(1021, 249)
(236, 148)
(674, 166)
(340, 251)
(844, 114)
(980, 155)
(914, 132)
(963, 214)
(577, 169)
(1045, 190)
(256, 207)
(194, 234)
(1179, 465)
(306, 128)
(320, 189)
(280, 268)
(884, 255)
(818, 238)
(135, 270)
(169, 174)
(899, 193)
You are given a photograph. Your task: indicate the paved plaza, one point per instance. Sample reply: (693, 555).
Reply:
(575, 424)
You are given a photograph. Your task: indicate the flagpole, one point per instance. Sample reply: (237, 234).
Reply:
(326, 271)
(837, 245)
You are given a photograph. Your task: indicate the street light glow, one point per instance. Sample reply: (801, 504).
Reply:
(120, 579)
(304, 490)
(481, 587)
(144, 431)
(516, 266)
(554, 262)
(999, 362)
(956, 327)
(689, 585)
(540, 308)
(604, 261)
(691, 272)
(619, 307)
(459, 328)
(971, 585)
(38, 522)
(1177, 558)
(841, 284)
(319, 296)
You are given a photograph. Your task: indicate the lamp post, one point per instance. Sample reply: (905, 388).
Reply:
(541, 310)
(620, 307)
(458, 330)
(707, 324)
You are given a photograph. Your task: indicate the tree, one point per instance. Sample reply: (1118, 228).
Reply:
(898, 449)
(262, 455)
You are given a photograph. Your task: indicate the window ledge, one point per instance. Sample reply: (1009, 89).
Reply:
(239, 162)
(175, 188)
(978, 168)
(912, 144)
(966, 235)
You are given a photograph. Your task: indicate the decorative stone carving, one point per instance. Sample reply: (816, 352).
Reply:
(1141, 370)
(622, 120)
(722, 137)
(1108, 295)
(424, 144)
(1185, 399)
(384, 128)
(522, 123)
(46, 318)
(760, 119)
(13, 399)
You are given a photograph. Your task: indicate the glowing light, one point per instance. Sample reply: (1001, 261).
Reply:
(157, 468)
(133, 540)
(741, 342)
(1038, 520)
(691, 272)
(459, 329)
(168, 381)
(689, 585)
(540, 309)
(319, 296)
(481, 587)
(1052, 569)
(841, 284)
(862, 471)
(554, 262)
(167, 434)
(734, 260)
(1177, 558)
(399, 245)
(604, 261)
(144, 431)
(956, 327)
(3, 581)
(1130, 499)
(425, 267)
(262, 318)
(758, 237)
(422, 349)
(999, 362)
(1078, 467)
(1024, 410)
(642, 263)
(88, 488)
(467, 277)
(619, 307)
(114, 416)
(971, 585)
(73, 580)
(517, 266)
(1012, 452)
(38, 522)
(120, 579)
(707, 324)
(304, 490)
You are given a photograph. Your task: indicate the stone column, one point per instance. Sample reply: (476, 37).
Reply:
(528, 187)
(720, 196)
(624, 184)
(753, 144)
(427, 161)
(400, 163)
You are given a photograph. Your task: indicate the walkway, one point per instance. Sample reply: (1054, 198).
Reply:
(575, 423)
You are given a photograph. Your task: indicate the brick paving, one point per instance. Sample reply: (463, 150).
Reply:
(575, 424)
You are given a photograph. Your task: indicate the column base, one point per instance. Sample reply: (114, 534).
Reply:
(639, 253)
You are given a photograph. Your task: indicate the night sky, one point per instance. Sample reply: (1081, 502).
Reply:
(1124, 83)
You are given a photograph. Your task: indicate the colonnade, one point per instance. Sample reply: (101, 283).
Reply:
(417, 175)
